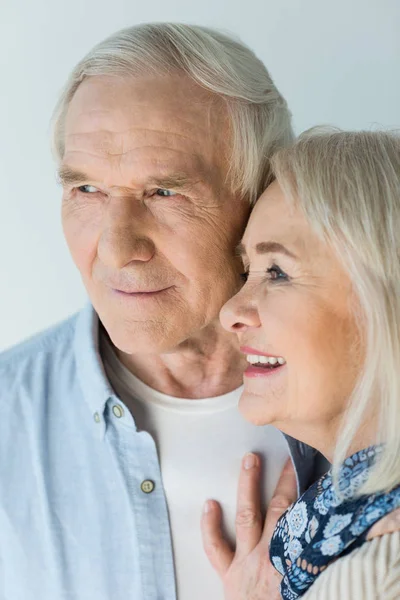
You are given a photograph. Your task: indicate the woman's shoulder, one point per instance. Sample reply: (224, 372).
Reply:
(371, 572)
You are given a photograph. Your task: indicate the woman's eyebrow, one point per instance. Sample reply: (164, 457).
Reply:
(273, 247)
(265, 248)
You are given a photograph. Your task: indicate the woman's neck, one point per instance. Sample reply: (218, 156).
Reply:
(324, 436)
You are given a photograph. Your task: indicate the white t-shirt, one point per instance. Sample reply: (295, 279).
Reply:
(200, 446)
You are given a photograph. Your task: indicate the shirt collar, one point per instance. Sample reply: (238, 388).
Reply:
(91, 375)
(97, 389)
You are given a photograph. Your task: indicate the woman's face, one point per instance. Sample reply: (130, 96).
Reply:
(296, 312)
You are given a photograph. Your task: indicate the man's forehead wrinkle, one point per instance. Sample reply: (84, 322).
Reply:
(184, 109)
(121, 148)
(190, 164)
(181, 124)
(120, 118)
(99, 151)
(127, 151)
(120, 133)
(170, 157)
(125, 171)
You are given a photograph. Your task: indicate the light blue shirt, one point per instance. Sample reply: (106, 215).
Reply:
(75, 522)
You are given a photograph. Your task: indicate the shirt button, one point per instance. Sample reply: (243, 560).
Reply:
(118, 411)
(147, 486)
(96, 417)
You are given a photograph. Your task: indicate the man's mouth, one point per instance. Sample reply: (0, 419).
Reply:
(140, 293)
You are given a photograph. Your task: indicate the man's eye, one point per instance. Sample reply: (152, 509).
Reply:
(87, 189)
(276, 274)
(165, 193)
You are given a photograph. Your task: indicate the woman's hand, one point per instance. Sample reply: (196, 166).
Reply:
(247, 573)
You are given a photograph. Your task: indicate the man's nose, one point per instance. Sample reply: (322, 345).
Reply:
(125, 238)
(240, 313)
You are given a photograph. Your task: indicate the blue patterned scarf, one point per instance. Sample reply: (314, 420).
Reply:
(320, 526)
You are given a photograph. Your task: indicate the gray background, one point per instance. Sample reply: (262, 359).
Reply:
(336, 63)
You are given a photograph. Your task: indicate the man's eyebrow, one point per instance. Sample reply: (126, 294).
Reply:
(68, 176)
(177, 180)
(266, 248)
(240, 250)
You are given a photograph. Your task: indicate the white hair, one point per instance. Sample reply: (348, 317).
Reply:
(348, 185)
(259, 117)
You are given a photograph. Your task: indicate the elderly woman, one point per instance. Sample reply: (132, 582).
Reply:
(319, 321)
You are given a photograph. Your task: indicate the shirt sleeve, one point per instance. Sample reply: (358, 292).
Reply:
(372, 572)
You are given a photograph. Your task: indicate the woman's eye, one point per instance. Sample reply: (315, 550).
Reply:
(244, 276)
(87, 189)
(165, 193)
(276, 274)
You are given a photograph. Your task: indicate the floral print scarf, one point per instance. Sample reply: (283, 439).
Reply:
(322, 526)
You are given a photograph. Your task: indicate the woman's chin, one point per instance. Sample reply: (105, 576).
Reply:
(259, 410)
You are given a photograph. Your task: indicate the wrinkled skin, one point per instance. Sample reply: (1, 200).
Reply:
(148, 209)
(298, 303)
(246, 571)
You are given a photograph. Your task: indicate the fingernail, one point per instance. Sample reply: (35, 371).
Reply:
(207, 507)
(249, 461)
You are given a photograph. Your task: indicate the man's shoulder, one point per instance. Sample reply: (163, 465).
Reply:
(40, 379)
(46, 344)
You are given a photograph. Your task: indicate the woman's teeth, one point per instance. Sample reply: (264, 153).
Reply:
(254, 359)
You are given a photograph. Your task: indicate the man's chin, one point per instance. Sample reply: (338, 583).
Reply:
(143, 338)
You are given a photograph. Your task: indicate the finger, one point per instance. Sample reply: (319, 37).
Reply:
(218, 551)
(248, 512)
(285, 494)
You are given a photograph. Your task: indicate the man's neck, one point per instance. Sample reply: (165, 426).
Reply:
(206, 365)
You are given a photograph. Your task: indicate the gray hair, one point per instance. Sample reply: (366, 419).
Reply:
(259, 117)
(348, 185)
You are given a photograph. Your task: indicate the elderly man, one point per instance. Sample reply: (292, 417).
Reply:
(118, 423)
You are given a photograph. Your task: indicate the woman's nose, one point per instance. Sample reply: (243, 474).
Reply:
(239, 313)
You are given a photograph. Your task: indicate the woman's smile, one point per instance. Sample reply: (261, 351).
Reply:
(261, 364)
(294, 309)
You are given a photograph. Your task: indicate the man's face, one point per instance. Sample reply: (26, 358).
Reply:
(148, 213)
